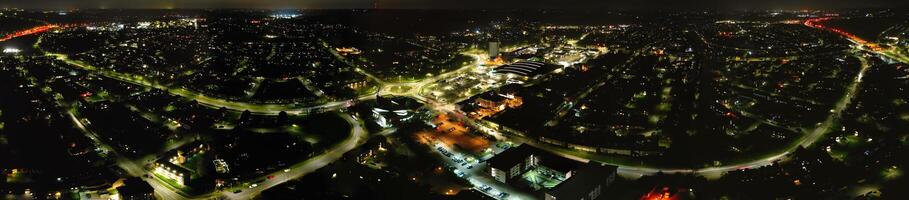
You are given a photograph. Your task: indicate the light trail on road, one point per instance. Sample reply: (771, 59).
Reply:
(30, 31)
(816, 23)
(873, 47)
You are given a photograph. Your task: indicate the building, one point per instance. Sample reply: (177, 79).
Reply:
(173, 164)
(394, 110)
(554, 176)
(588, 183)
(527, 69)
(488, 104)
(136, 189)
(174, 172)
(493, 50)
(221, 166)
(511, 163)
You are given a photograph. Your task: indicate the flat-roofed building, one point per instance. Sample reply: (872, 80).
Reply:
(556, 177)
(588, 183)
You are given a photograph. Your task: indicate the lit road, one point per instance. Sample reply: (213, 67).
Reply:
(416, 88)
(213, 102)
(166, 191)
(268, 109)
(132, 167)
(862, 44)
(358, 135)
(810, 137)
(26, 32)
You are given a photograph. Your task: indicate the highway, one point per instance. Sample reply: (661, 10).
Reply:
(861, 43)
(30, 31)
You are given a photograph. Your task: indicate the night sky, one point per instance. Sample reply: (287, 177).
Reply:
(461, 4)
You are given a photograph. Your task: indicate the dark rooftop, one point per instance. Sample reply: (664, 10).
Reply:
(559, 163)
(135, 186)
(584, 179)
(511, 157)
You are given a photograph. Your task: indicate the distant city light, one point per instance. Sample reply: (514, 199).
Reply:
(11, 50)
(143, 24)
(285, 16)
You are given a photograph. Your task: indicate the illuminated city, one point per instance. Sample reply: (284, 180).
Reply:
(398, 100)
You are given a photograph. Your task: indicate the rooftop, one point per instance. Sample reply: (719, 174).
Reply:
(511, 157)
(588, 175)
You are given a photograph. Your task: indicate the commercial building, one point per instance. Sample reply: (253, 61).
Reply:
(554, 176)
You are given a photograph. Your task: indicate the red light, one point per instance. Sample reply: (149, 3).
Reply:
(663, 194)
(35, 30)
(814, 24)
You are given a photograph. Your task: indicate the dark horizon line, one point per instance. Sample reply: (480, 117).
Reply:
(467, 9)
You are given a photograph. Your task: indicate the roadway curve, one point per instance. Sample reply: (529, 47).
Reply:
(358, 136)
(808, 139)
(212, 102)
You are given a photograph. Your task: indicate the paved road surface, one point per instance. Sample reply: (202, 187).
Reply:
(358, 135)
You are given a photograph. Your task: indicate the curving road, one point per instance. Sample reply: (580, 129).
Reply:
(809, 138)
(135, 168)
(358, 135)
(213, 102)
